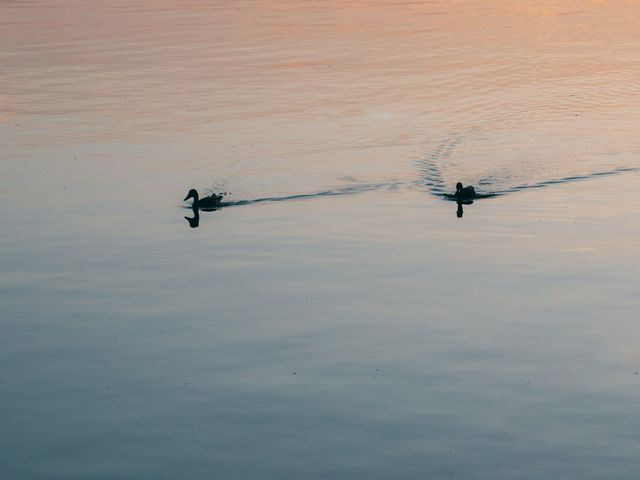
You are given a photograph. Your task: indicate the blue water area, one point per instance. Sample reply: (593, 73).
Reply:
(334, 317)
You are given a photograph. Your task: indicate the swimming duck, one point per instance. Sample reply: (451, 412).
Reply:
(465, 193)
(205, 203)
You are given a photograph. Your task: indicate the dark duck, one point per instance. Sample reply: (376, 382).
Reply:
(464, 193)
(206, 203)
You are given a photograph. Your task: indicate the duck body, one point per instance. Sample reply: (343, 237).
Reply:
(465, 193)
(206, 203)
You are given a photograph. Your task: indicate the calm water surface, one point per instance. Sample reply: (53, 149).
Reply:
(369, 334)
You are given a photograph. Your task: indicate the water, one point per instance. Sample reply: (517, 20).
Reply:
(336, 319)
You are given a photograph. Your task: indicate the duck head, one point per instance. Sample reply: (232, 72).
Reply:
(459, 187)
(193, 193)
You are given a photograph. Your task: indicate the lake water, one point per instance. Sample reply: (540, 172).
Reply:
(355, 327)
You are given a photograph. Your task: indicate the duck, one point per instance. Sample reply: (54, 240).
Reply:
(211, 202)
(465, 193)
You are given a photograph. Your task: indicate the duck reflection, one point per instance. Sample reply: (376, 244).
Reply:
(460, 210)
(194, 221)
